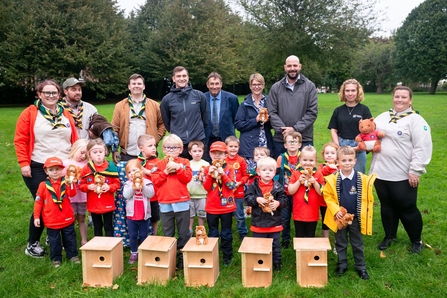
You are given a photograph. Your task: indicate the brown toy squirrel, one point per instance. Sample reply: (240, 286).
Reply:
(215, 174)
(307, 175)
(201, 237)
(99, 182)
(263, 115)
(266, 208)
(201, 174)
(137, 181)
(346, 220)
(368, 139)
(169, 158)
(72, 175)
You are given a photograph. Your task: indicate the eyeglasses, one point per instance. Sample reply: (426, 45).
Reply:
(257, 85)
(49, 93)
(171, 148)
(292, 142)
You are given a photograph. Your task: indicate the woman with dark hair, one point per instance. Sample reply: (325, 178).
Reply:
(44, 129)
(406, 151)
(344, 123)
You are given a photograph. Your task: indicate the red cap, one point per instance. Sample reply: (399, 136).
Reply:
(218, 146)
(53, 161)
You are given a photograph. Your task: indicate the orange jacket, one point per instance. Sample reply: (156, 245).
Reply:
(53, 217)
(106, 202)
(172, 188)
(239, 175)
(24, 136)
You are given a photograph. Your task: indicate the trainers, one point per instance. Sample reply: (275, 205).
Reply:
(417, 247)
(133, 257)
(226, 262)
(35, 250)
(386, 242)
(75, 260)
(56, 264)
(335, 250)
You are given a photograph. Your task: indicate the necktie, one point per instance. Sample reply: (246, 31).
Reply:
(215, 119)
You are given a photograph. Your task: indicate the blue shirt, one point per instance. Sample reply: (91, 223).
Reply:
(218, 101)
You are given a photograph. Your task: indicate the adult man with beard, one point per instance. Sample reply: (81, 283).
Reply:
(292, 105)
(81, 111)
(185, 111)
(134, 116)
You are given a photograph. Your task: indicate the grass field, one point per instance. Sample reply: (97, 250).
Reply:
(400, 274)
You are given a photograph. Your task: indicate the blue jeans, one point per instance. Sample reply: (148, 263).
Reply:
(137, 228)
(240, 218)
(360, 165)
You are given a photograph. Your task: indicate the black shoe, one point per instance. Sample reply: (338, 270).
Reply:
(340, 271)
(363, 274)
(226, 262)
(179, 264)
(386, 242)
(277, 266)
(285, 244)
(417, 248)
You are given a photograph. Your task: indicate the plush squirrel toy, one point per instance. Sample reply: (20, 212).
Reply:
(345, 221)
(72, 175)
(264, 115)
(307, 175)
(201, 237)
(137, 181)
(266, 208)
(215, 174)
(99, 182)
(368, 139)
(201, 174)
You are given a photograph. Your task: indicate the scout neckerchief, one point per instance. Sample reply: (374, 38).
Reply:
(143, 106)
(288, 167)
(55, 120)
(76, 117)
(144, 159)
(394, 118)
(306, 193)
(107, 172)
(57, 200)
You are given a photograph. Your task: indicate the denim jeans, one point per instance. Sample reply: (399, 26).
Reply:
(240, 218)
(360, 165)
(138, 229)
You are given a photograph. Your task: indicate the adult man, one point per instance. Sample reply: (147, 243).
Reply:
(185, 110)
(134, 116)
(81, 111)
(292, 105)
(223, 108)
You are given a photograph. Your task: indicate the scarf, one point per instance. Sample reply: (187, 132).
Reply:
(144, 160)
(77, 118)
(57, 200)
(107, 172)
(55, 120)
(143, 107)
(394, 118)
(306, 193)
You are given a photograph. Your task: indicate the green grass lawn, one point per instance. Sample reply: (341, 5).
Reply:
(400, 274)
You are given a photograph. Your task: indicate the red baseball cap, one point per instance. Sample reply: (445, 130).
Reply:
(218, 146)
(53, 161)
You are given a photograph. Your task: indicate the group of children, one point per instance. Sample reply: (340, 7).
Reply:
(176, 190)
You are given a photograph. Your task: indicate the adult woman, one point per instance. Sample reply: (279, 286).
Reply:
(254, 131)
(44, 129)
(344, 123)
(406, 151)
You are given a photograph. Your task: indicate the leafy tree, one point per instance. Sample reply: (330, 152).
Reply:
(421, 44)
(62, 38)
(373, 63)
(202, 35)
(324, 34)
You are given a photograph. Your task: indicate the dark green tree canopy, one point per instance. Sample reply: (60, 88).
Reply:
(421, 44)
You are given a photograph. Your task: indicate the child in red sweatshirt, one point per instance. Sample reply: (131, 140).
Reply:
(53, 204)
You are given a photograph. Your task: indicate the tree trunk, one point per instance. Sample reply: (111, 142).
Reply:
(434, 84)
(379, 89)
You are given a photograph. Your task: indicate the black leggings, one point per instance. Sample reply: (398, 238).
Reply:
(103, 220)
(398, 202)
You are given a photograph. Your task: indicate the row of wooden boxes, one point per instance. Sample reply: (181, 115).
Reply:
(102, 261)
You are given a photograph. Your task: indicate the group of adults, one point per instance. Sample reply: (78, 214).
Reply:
(52, 124)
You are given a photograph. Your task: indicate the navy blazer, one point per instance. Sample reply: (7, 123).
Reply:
(229, 105)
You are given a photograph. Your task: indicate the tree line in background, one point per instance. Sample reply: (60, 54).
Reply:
(94, 40)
